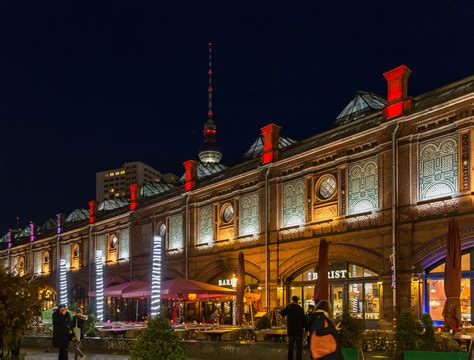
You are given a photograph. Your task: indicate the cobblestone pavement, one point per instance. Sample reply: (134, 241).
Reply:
(39, 355)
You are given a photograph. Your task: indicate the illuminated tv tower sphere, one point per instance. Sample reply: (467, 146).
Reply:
(209, 153)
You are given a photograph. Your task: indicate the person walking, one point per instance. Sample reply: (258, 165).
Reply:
(324, 344)
(61, 331)
(78, 330)
(295, 322)
(309, 313)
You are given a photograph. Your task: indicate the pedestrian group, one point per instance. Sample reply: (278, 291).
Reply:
(323, 338)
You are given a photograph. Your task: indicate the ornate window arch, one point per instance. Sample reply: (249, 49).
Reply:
(293, 203)
(438, 168)
(206, 226)
(175, 236)
(363, 186)
(249, 221)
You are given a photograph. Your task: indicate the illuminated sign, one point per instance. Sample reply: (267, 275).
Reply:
(333, 274)
(228, 282)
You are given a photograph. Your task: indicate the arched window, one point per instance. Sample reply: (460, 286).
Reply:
(438, 168)
(351, 285)
(112, 248)
(206, 225)
(46, 261)
(249, 215)
(293, 203)
(75, 256)
(435, 296)
(363, 186)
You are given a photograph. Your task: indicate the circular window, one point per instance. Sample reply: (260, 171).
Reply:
(76, 251)
(227, 213)
(46, 258)
(21, 263)
(326, 187)
(162, 230)
(113, 242)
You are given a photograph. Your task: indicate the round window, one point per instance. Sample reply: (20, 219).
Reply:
(162, 230)
(227, 213)
(113, 242)
(326, 187)
(76, 251)
(46, 258)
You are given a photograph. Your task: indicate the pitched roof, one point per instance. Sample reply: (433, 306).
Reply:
(77, 215)
(112, 204)
(257, 147)
(155, 188)
(362, 104)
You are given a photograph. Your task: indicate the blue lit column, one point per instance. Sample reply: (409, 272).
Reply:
(99, 285)
(62, 282)
(156, 277)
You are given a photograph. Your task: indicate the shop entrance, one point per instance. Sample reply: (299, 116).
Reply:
(350, 285)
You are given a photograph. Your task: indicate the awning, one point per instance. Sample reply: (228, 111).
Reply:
(180, 289)
(118, 289)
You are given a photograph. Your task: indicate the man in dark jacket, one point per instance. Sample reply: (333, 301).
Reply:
(61, 331)
(295, 323)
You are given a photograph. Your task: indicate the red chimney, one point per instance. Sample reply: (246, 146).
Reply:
(134, 195)
(10, 238)
(32, 232)
(271, 139)
(60, 222)
(92, 211)
(191, 167)
(397, 97)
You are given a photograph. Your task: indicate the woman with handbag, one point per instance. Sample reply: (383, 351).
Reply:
(78, 333)
(324, 343)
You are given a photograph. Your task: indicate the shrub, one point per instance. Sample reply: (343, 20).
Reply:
(427, 338)
(408, 333)
(263, 323)
(352, 331)
(89, 325)
(158, 341)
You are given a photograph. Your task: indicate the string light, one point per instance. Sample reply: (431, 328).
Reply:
(156, 277)
(99, 285)
(62, 282)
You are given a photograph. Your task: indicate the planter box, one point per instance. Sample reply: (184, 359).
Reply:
(350, 353)
(432, 355)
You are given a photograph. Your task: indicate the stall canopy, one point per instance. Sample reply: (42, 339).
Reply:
(180, 289)
(119, 289)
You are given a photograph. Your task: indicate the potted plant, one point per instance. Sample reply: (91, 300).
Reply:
(158, 341)
(416, 339)
(352, 334)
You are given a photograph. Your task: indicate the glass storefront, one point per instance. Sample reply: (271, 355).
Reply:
(434, 288)
(350, 285)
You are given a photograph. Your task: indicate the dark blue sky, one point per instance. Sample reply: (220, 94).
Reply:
(86, 86)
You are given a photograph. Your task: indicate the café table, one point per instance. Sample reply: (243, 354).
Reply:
(216, 334)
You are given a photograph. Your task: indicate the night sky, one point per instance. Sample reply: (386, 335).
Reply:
(85, 86)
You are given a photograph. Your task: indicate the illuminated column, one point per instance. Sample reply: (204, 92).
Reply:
(156, 277)
(62, 282)
(99, 285)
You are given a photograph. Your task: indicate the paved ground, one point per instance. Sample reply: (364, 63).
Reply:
(39, 355)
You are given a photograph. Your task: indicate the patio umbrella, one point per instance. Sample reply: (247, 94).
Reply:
(322, 283)
(240, 289)
(452, 278)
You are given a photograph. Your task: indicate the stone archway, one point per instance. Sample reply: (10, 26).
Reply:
(337, 251)
(227, 265)
(435, 250)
